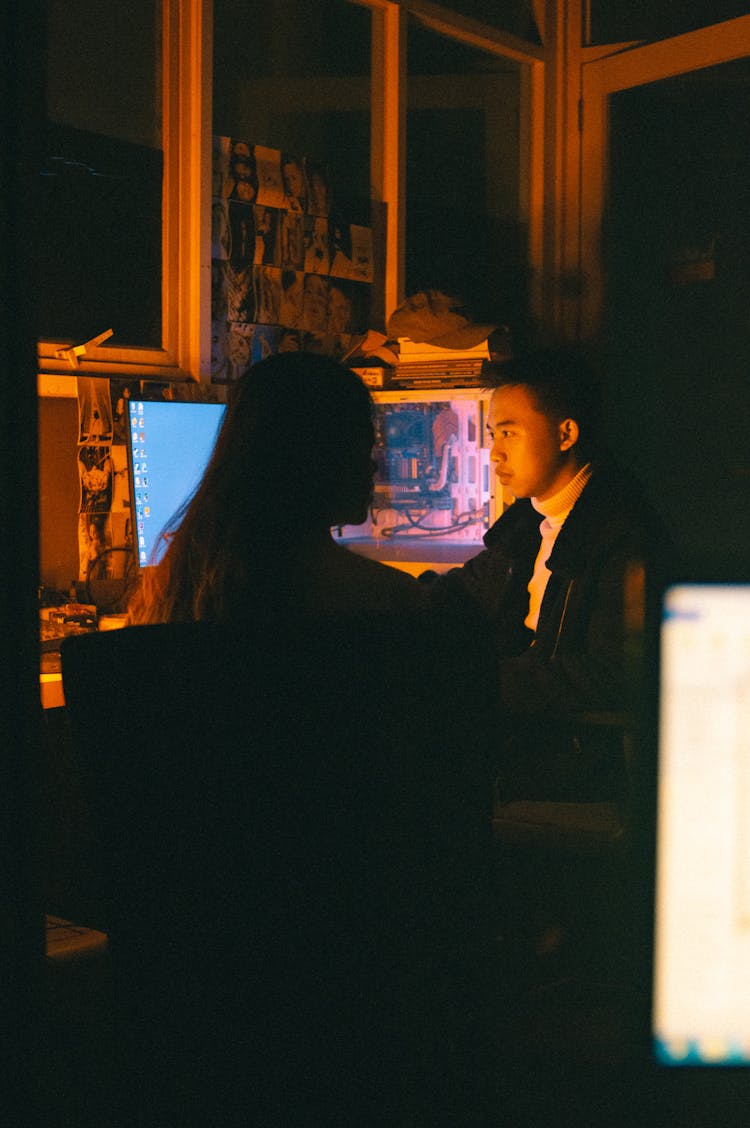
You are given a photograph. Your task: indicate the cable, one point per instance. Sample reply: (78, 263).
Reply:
(463, 521)
(119, 584)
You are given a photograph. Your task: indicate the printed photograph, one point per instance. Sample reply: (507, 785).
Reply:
(220, 236)
(240, 304)
(94, 410)
(318, 188)
(341, 248)
(317, 251)
(362, 269)
(267, 289)
(235, 175)
(265, 341)
(270, 185)
(286, 271)
(239, 350)
(315, 303)
(95, 475)
(295, 185)
(94, 541)
(241, 225)
(292, 241)
(266, 236)
(292, 286)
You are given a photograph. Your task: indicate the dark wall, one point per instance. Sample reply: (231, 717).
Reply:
(678, 330)
(58, 491)
(657, 19)
(21, 913)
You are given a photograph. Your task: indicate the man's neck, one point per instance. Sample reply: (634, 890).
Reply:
(559, 504)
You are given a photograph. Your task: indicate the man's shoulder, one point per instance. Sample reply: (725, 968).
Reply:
(513, 525)
(612, 510)
(615, 495)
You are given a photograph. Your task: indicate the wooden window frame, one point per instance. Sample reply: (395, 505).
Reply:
(186, 265)
(186, 140)
(635, 65)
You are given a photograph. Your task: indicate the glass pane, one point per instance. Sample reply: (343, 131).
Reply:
(465, 234)
(306, 91)
(291, 188)
(514, 16)
(102, 174)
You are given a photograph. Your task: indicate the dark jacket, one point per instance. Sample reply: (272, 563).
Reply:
(581, 658)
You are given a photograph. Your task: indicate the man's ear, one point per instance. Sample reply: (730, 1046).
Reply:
(568, 432)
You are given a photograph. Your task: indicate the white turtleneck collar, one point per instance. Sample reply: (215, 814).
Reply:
(554, 511)
(557, 507)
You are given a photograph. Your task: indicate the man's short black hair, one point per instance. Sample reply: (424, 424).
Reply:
(563, 384)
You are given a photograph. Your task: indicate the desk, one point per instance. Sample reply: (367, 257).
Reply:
(50, 673)
(51, 691)
(50, 676)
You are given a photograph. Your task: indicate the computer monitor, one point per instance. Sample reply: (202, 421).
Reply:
(701, 971)
(169, 445)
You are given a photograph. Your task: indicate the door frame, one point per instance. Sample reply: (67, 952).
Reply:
(601, 77)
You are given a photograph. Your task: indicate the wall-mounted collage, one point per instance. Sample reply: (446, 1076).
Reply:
(288, 270)
(102, 473)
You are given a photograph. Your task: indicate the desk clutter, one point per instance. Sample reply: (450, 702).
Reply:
(63, 620)
(66, 619)
(59, 622)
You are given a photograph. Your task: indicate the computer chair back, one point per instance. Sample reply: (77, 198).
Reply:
(293, 825)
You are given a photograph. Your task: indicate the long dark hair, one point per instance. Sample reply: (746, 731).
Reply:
(293, 457)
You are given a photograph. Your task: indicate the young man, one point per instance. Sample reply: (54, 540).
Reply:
(560, 581)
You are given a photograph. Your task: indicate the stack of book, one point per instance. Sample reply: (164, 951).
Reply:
(429, 366)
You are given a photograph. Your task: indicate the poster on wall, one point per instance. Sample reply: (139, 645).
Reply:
(288, 271)
(95, 473)
(102, 475)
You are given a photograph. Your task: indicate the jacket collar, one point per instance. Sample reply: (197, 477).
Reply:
(519, 525)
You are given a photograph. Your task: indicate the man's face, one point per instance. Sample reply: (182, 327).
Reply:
(534, 455)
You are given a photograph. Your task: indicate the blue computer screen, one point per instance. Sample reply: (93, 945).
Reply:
(169, 445)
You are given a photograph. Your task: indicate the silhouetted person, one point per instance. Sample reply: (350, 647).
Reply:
(292, 460)
(559, 585)
(344, 733)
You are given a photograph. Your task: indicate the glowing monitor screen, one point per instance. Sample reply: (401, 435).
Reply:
(701, 1011)
(169, 446)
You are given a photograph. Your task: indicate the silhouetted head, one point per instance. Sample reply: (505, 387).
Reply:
(298, 436)
(292, 459)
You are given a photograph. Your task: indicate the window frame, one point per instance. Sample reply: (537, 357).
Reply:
(187, 51)
(389, 108)
(186, 126)
(610, 73)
